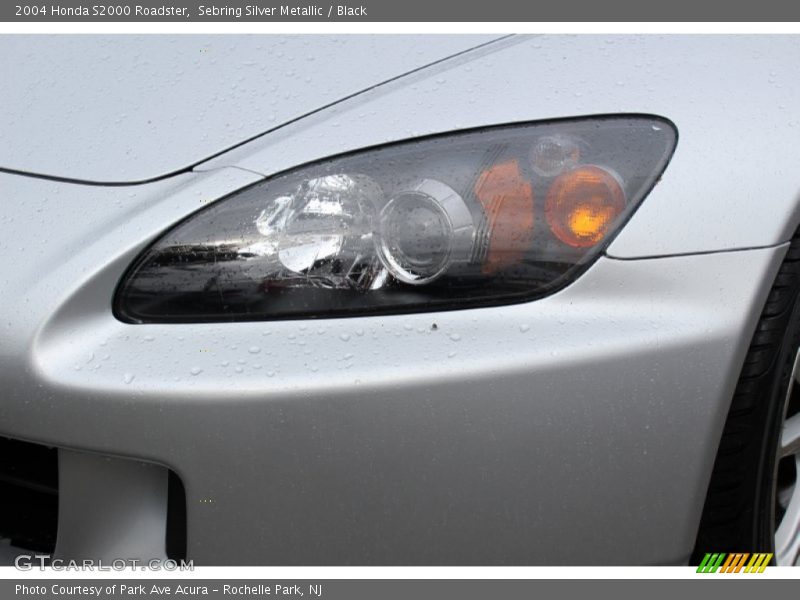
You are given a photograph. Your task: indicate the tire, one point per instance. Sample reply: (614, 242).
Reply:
(740, 508)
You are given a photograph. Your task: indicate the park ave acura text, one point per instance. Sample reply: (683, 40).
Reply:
(399, 300)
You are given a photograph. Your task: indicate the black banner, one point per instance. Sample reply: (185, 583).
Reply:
(408, 10)
(730, 588)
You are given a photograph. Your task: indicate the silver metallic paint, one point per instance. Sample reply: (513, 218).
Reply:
(129, 108)
(541, 432)
(580, 428)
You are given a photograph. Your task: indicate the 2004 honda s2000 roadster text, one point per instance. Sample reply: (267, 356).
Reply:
(399, 299)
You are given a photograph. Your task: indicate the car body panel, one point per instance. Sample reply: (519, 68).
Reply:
(580, 428)
(732, 98)
(559, 431)
(130, 108)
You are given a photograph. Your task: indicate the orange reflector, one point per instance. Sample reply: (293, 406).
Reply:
(582, 204)
(507, 201)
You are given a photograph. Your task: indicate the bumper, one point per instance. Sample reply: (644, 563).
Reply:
(578, 429)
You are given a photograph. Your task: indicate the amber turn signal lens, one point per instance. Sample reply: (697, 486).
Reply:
(507, 201)
(582, 204)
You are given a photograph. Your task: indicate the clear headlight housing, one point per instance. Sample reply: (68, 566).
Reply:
(498, 215)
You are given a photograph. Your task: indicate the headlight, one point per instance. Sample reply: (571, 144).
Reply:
(492, 216)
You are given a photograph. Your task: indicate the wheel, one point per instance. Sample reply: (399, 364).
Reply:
(786, 491)
(753, 500)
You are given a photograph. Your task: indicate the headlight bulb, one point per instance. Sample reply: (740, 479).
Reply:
(324, 229)
(582, 204)
(423, 230)
(554, 154)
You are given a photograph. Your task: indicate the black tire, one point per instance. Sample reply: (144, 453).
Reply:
(738, 512)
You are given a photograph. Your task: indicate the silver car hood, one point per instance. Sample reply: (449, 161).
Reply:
(139, 108)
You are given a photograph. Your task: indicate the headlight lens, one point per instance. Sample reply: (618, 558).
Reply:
(498, 215)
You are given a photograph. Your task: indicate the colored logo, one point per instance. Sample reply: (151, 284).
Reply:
(734, 563)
